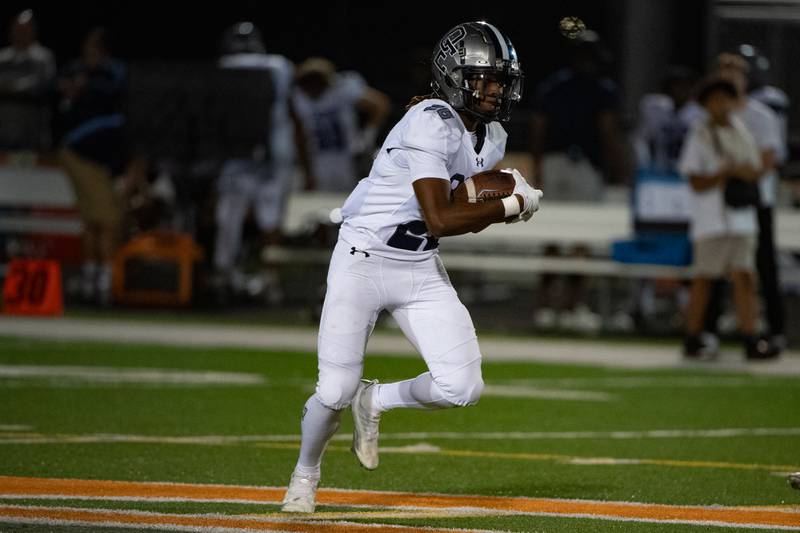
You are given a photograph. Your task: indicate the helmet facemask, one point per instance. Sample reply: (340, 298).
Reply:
(499, 87)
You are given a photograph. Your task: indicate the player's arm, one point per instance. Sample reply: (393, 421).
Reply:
(444, 217)
(375, 105)
(301, 145)
(704, 182)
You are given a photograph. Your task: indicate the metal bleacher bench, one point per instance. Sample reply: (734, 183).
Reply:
(516, 248)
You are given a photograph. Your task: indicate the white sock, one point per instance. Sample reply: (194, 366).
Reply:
(88, 277)
(318, 425)
(418, 393)
(304, 471)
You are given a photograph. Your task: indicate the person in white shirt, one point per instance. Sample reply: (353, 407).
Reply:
(387, 257)
(27, 76)
(329, 104)
(717, 152)
(764, 125)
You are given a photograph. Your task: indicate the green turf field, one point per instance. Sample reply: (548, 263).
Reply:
(127, 412)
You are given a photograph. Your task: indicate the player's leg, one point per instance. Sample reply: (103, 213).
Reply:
(769, 277)
(351, 307)
(710, 263)
(274, 186)
(232, 204)
(440, 327)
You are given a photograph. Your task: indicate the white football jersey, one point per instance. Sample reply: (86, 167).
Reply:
(660, 132)
(331, 123)
(382, 215)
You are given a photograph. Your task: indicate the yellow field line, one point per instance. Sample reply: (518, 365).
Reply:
(569, 459)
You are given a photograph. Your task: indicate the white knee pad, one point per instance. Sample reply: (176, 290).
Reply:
(335, 390)
(462, 387)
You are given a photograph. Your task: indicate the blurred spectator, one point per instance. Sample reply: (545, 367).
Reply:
(93, 151)
(262, 182)
(759, 88)
(718, 151)
(329, 104)
(576, 133)
(575, 138)
(773, 97)
(664, 121)
(27, 72)
(764, 125)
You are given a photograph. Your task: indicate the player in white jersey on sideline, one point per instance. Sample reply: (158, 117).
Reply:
(329, 103)
(386, 256)
(261, 183)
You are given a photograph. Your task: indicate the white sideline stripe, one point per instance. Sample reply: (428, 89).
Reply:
(100, 374)
(515, 391)
(441, 435)
(606, 354)
(131, 513)
(160, 499)
(398, 511)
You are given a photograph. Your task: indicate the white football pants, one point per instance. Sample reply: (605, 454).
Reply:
(424, 304)
(243, 185)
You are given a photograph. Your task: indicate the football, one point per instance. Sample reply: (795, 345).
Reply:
(487, 185)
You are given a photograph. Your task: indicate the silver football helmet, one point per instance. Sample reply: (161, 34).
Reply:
(472, 52)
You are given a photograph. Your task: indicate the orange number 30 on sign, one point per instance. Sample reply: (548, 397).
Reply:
(33, 287)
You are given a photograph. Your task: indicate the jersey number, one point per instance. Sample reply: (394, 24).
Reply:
(329, 132)
(411, 235)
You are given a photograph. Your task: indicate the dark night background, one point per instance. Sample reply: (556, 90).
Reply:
(388, 43)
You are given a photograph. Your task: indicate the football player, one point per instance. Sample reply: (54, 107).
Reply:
(386, 256)
(329, 104)
(261, 183)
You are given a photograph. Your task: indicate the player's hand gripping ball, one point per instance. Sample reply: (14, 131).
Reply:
(571, 27)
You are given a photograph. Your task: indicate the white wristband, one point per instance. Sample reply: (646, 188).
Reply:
(511, 205)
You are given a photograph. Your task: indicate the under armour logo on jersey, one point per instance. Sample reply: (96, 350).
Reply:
(353, 251)
(479, 161)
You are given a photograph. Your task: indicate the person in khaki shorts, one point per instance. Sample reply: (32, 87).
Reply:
(717, 150)
(93, 151)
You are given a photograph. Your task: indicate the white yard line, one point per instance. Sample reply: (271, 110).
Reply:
(601, 353)
(647, 382)
(719, 433)
(15, 427)
(118, 375)
(517, 391)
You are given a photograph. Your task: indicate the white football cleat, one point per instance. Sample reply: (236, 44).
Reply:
(365, 425)
(794, 480)
(301, 495)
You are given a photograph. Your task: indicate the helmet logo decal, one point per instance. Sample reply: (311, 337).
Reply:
(449, 46)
